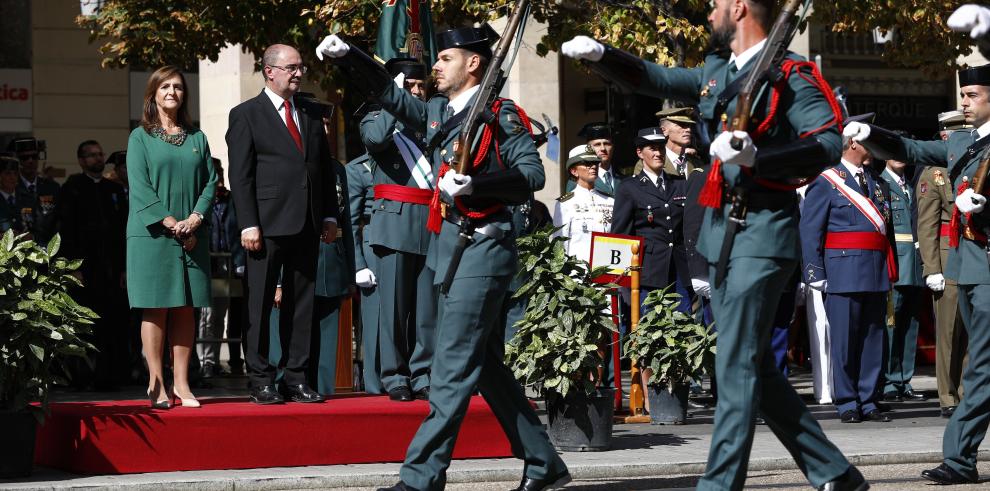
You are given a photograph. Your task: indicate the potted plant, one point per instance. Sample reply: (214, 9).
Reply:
(560, 341)
(672, 349)
(40, 325)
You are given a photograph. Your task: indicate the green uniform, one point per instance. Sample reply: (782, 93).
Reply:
(968, 265)
(764, 256)
(167, 180)
(902, 329)
(469, 340)
(334, 277)
(359, 191)
(399, 240)
(934, 212)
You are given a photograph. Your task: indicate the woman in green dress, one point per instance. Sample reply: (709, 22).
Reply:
(168, 259)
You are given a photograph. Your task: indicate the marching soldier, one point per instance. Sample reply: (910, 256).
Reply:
(902, 334)
(585, 209)
(598, 136)
(967, 261)
(403, 186)
(762, 247)
(359, 191)
(935, 202)
(468, 337)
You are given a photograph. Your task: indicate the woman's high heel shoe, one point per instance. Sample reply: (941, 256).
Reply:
(190, 402)
(155, 403)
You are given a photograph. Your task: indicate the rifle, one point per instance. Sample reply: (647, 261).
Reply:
(770, 57)
(479, 113)
(978, 184)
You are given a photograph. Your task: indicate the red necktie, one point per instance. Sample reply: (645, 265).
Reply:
(291, 124)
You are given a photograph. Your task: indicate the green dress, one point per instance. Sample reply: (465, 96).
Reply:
(167, 180)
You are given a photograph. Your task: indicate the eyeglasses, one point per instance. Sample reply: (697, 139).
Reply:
(292, 68)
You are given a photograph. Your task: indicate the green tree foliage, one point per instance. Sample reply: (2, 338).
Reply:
(921, 38)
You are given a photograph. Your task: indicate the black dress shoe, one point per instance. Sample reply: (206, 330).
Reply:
(399, 486)
(892, 397)
(302, 393)
(401, 394)
(551, 482)
(876, 415)
(910, 395)
(947, 411)
(884, 408)
(852, 480)
(422, 394)
(266, 394)
(850, 416)
(944, 474)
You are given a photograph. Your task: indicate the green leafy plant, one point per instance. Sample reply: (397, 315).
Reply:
(40, 324)
(669, 342)
(558, 343)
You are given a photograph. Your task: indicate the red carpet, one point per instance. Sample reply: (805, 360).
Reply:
(123, 437)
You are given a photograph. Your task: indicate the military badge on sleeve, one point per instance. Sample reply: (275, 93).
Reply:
(938, 177)
(924, 188)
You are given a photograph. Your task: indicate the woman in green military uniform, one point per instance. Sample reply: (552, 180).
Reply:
(168, 258)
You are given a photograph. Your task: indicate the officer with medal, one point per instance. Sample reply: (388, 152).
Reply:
(11, 202)
(39, 192)
(967, 263)
(678, 127)
(765, 249)
(403, 187)
(598, 136)
(905, 296)
(468, 338)
(934, 205)
(360, 193)
(584, 210)
(847, 254)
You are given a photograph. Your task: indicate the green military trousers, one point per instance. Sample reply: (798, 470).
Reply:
(370, 309)
(467, 344)
(902, 338)
(749, 382)
(968, 424)
(407, 319)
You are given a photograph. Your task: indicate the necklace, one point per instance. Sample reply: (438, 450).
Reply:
(177, 139)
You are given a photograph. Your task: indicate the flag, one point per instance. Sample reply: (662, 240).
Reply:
(399, 36)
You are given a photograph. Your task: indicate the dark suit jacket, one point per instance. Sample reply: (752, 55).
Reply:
(91, 221)
(271, 181)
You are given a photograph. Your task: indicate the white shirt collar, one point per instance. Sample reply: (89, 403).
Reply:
(898, 179)
(458, 103)
(277, 100)
(672, 155)
(853, 169)
(580, 190)
(6, 195)
(649, 173)
(983, 130)
(29, 183)
(95, 179)
(747, 55)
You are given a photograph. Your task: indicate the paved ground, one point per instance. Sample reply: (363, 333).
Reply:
(642, 457)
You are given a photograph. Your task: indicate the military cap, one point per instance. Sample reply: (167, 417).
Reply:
(9, 164)
(411, 67)
(595, 131)
(649, 136)
(476, 39)
(582, 153)
(677, 114)
(952, 120)
(978, 75)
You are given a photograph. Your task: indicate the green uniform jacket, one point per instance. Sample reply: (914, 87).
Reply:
(967, 264)
(359, 193)
(904, 218)
(803, 108)
(398, 226)
(934, 198)
(485, 256)
(335, 269)
(167, 180)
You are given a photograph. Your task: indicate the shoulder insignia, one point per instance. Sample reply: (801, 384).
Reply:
(924, 188)
(697, 169)
(434, 124)
(842, 174)
(938, 177)
(643, 178)
(566, 196)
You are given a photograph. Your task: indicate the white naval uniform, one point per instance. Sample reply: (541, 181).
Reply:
(581, 212)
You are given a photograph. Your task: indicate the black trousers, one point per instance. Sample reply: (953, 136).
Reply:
(293, 259)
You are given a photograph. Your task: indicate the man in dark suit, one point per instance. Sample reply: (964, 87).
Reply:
(283, 189)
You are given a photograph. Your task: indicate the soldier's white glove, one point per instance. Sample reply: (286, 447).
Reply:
(701, 287)
(583, 48)
(332, 46)
(856, 131)
(935, 282)
(455, 184)
(400, 80)
(722, 149)
(365, 278)
(971, 18)
(818, 285)
(970, 202)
